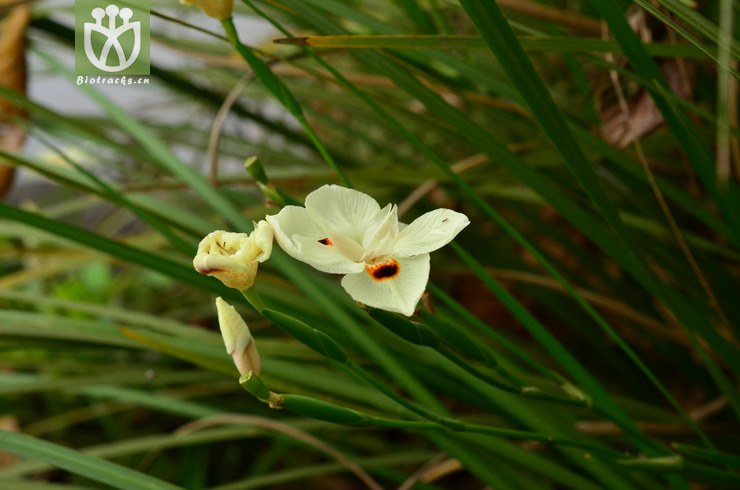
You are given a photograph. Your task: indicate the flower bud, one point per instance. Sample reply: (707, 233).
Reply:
(233, 258)
(238, 339)
(218, 9)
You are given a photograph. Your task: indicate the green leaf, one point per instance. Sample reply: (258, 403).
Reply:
(548, 44)
(728, 199)
(166, 266)
(92, 467)
(159, 151)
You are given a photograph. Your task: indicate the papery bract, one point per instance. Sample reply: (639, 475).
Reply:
(343, 231)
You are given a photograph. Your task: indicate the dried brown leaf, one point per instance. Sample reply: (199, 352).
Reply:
(634, 114)
(8, 423)
(13, 75)
(622, 127)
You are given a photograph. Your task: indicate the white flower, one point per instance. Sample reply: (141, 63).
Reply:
(343, 231)
(233, 257)
(237, 338)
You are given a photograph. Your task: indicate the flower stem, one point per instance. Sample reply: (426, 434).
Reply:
(254, 298)
(456, 425)
(421, 335)
(329, 412)
(328, 347)
(526, 391)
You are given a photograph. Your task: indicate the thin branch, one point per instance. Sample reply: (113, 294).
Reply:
(218, 123)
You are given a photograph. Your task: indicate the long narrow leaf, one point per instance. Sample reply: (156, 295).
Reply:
(92, 467)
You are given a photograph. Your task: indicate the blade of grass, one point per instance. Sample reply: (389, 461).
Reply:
(387, 118)
(32, 325)
(601, 398)
(475, 133)
(38, 485)
(158, 150)
(302, 474)
(708, 456)
(728, 199)
(144, 444)
(417, 15)
(724, 82)
(550, 44)
(503, 43)
(477, 136)
(167, 214)
(96, 469)
(15, 384)
(166, 266)
(120, 199)
(281, 92)
(695, 20)
(183, 85)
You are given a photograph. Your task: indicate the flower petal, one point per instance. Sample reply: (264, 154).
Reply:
(326, 258)
(293, 221)
(343, 211)
(393, 290)
(429, 232)
(263, 236)
(346, 246)
(233, 272)
(379, 241)
(300, 236)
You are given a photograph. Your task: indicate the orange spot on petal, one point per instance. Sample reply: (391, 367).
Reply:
(388, 269)
(326, 241)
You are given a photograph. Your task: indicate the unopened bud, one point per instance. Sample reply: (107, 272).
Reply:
(237, 338)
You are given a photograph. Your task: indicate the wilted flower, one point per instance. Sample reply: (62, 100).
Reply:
(237, 338)
(218, 9)
(343, 231)
(233, 257)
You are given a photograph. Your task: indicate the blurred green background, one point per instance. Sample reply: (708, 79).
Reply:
(593, 145)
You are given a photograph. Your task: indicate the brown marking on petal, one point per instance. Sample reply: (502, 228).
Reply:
(388, 269)
(326, 241)
(208, 272)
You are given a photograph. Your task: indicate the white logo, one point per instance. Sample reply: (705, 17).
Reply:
(112, 35)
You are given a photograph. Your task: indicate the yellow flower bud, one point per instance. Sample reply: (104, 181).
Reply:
(218, 9)
(238, 339)
(233, 258)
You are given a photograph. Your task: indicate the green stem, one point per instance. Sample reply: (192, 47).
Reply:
(481, 327)
(525, 391)
(420, 334)
(328, 347)
(456, 425)
(329, 412)
(254, 298)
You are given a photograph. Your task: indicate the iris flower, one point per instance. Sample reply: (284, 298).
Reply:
(385, 262)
